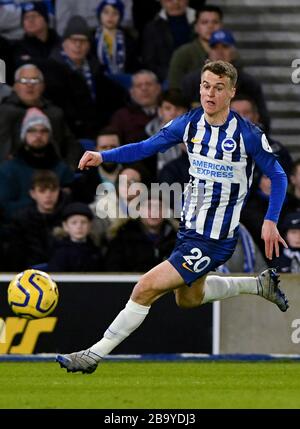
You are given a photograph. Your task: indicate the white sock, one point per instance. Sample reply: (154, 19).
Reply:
(127, 321)
(217, 288)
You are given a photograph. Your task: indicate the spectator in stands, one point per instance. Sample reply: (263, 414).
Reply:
(223, 47)
(293, 196)
(65, 9)
(171, 28)
(85, 185)
(36, 153)
(130, 121)
(39, 39)
(10, 17)
(176, 171)
(31, 239)
(75, 251)
(191, 56)
(76, 83)
(28, 92)
(112, 202)
(171, 104)
(115, 48)
(107, 139)
(246, 258)
(141, 243)
(254, 211)
(246, 107)
(289, 260)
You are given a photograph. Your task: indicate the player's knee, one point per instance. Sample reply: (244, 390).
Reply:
(189, 301)
(143, 291)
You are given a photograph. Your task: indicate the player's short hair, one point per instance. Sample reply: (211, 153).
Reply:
(221, 68)
(45, 179)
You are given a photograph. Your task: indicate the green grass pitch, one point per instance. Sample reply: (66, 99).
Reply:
(150, 385)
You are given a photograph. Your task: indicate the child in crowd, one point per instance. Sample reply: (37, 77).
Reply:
(76, 252)
(115, 48)
(289, 260)
(171, 104)
(31, 238)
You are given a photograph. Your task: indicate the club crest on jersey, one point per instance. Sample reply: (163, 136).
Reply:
(228, 145)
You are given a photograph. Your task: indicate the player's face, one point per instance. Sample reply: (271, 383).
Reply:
(207, 23)
(77, 226)
(216, 93)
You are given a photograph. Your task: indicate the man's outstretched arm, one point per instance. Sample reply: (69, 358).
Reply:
(168, 136)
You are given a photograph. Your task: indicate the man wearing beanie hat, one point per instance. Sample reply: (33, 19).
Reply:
(37, 7)
(77, 26)
(34, 117)
(36, 153)
(77, 82)
(38, 40)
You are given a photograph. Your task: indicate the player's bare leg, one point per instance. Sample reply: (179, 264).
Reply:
(161, 279)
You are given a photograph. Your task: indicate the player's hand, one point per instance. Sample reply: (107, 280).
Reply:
(272, 238)
(90, 159)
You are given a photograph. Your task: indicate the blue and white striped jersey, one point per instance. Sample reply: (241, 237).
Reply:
(222, 160)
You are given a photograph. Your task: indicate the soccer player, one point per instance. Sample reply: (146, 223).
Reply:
(222, 149)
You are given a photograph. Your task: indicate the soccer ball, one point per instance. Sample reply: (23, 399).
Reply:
(32, 294)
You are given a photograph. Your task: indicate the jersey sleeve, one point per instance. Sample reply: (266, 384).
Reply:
(261, 151)
(170, 135)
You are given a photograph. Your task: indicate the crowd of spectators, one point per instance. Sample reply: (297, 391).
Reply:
(96, 75)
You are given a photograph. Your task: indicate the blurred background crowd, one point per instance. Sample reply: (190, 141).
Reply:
(94, 75)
